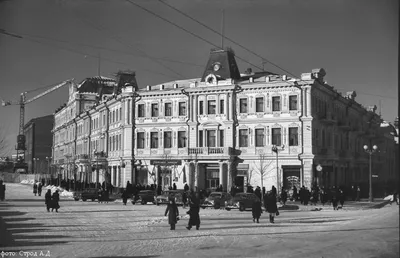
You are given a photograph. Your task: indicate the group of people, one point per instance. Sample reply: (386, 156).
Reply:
(173, 212)
(52, 201)
(270, 199)
(37, 188)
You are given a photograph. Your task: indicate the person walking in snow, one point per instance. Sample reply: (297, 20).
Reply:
(256, 210)
(54, 201)
(173, 213)
(2, 190)
(284, 197)
(270, 205)
(47, 200)
(40, 189)
(125, 196)
(194, 218)
(35, 188)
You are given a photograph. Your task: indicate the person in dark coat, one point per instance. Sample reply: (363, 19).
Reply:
(35, 188)
(334, 200)
(306, 196)
(2, 190)
(341, 197)
(257, 192)
(47, 200)
(186, 188)
(256, 210)
(125, 196)
(54, 201)
(173, 213)
(284, 197)
(174, 186)
(194, 220)
(270, 205)
(323, 196)
(295, 195)
(184, 199)
(40, 189)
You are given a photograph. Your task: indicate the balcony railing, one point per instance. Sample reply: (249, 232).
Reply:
(210, 150)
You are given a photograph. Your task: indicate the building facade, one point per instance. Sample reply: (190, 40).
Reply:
(225, 128)
(39, 140)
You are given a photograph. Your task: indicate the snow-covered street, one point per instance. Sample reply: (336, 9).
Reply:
(90, 229)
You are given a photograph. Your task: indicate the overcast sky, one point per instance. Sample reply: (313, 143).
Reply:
(355, 41)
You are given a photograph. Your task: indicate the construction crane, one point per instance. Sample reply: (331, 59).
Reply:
(22, 102)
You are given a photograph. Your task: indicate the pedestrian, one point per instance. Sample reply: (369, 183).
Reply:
(47, 200)
(323, 196)
(55, 201)
(194, 218)
(184, 199)
(256, 210)
(124, 197)
(358, 194)
(40, 189)
(174, 186)
(35, 188)
(186, 188)
(334, 200)
(257, 192)
(284, 197)
(294, 193)
(2, 190)
(173, 213)
(341, 197)
(270, 205)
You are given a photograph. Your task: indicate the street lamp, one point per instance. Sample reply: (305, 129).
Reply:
(370, 152)
(277, 149)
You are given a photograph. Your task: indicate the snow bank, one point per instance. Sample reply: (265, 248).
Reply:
(389, 198)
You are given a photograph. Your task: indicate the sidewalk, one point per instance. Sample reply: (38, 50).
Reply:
(364, 204)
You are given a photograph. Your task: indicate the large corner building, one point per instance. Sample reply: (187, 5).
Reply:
(225, 128)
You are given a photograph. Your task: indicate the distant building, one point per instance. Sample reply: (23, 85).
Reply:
(220, 129)
(39, 141)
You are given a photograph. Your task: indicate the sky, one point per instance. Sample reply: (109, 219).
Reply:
(355, 41)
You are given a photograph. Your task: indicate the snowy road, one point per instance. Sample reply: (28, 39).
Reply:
(89, 229)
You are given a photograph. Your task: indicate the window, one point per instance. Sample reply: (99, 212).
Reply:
(243, 138)
(113, 116)
(116, 142)
(182, 108)
(120, 141)
(181, 139)
(221, 106)
(259, 137)
(293, 102)
(200, 139)
(211, 138)
(154, 110)
(167, 140)
(141, 110)
(212, 105)
(221, 138)
(120, 113)
(276, 103)
(140, 140)
(293, 136)
(259, 104)
(243, 106)
(129, 112)
(168, 109)
(104, 118)
(154, 140)
(201, 107)
(276, 136)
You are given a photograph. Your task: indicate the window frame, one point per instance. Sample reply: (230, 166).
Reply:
(262, 104)
(243, 138)
(276, 139)
(243, 106)
(259, 142)
(274, 103)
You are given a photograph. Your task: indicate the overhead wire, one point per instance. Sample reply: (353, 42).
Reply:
(118, 39)
(186, 30)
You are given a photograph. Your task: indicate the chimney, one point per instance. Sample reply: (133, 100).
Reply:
(251, 79)
(267, 79)
(351, 95)
(372, 108)
(161, 86)
(148, 87)
(175, 85)
(284, 77)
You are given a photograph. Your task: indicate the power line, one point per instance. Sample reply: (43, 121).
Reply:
(116, 38)
(187, 31)
(231, 40)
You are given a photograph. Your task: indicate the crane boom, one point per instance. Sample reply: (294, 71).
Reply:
(48, 91)
(22, 102)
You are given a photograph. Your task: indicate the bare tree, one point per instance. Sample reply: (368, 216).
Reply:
(263, 168)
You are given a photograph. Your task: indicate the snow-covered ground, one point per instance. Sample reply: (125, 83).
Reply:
(91, 229)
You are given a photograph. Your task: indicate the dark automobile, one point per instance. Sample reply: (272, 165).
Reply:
(216, 200)
(144, 197)
(177, 194)
(241, 201)
(90, 193)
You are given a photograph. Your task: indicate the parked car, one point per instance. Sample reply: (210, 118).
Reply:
(177, 194)
(86, 194)
(216, 200)
(144, 197)
(241, 201)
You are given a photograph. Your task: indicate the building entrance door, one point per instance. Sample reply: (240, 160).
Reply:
(291, 177)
